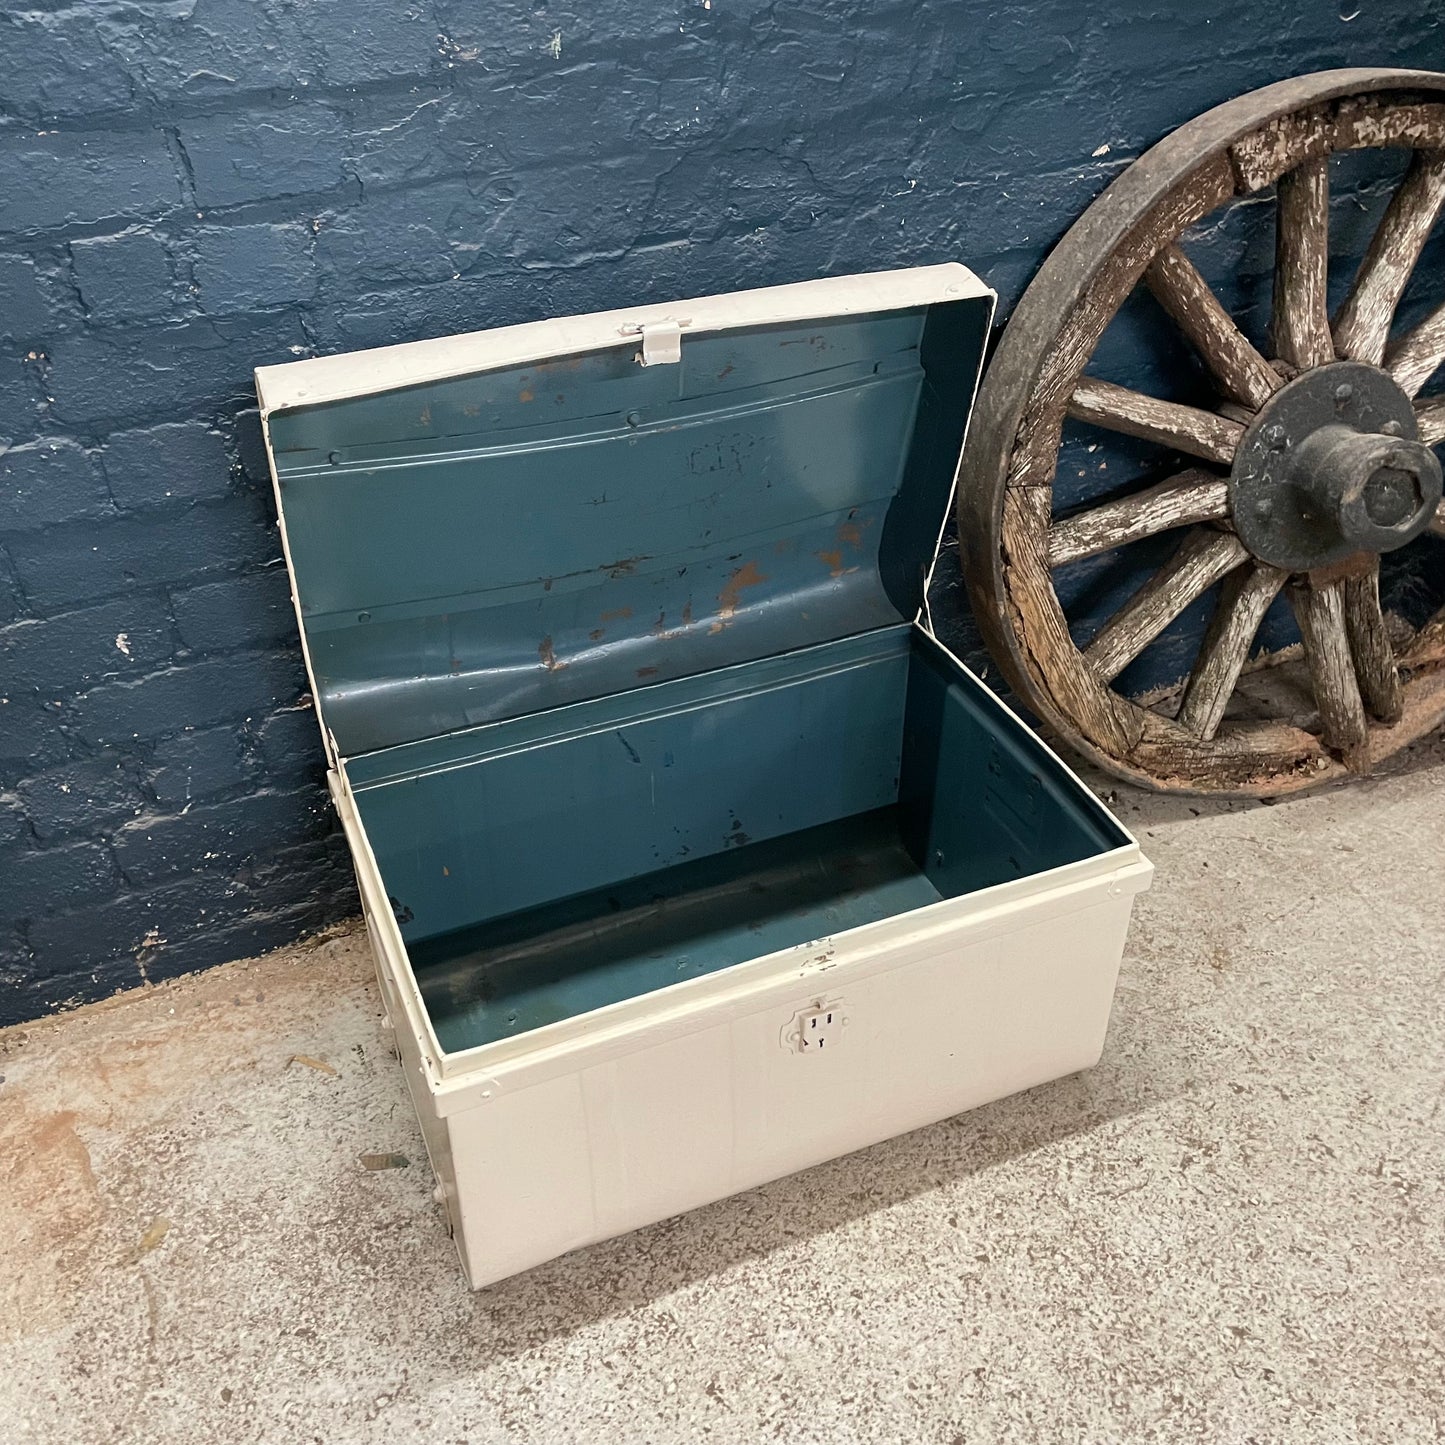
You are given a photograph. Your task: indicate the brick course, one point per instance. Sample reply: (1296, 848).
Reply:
(189, 191)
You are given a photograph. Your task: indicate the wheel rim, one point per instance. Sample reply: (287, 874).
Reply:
(1332, 415)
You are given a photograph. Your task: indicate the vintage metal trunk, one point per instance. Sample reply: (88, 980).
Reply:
(689, 857)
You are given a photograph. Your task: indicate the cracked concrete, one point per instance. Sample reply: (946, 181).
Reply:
(1232, 1229)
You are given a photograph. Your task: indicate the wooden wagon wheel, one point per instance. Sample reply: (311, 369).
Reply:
(1308, 466)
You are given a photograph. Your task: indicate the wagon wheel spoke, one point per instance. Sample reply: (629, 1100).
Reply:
(1374, 657)
(1243, 601)
(1183, 500)
(1320, 612)
(1362, 325)
(1301, 321)
(1202, 559)
(1428, 644)
(1430, 418)
(1185, 428)
(1417, 355)
(1194, 308)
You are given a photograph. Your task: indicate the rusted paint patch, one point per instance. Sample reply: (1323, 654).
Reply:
(687, 613)
(851, 533)
(647, 672)
(833, 561)
(548, 654)
(597, 634)
(526, 394)
(616, 614)
(747, 575)
(726, 372)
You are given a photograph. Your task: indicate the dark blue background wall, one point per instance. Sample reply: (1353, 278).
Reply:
(190, 188)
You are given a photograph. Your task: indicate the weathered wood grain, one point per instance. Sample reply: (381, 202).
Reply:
(1376, 120)
(1419, 353)
(1301, 319)
(1066, 686)
(1194, 308)
(1036, 445)
(1427, 647)
(1375, 668)
(1274, 759)
(1256, 758)
(1430, 418)
(1187, 498)
(1362, 325)
(1244, 599)
(1202, 559)
(1320, 612)
(1186, 428)
(1260, 157)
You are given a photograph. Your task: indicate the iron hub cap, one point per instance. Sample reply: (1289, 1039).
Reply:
(1332, 467)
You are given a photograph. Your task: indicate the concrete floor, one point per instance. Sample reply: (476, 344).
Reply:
(1233, 1229)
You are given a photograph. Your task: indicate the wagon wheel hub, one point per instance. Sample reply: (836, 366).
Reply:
(1332, 467)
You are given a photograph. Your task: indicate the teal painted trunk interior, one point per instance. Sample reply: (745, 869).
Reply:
(486, 546)
(549, 865)
(623, 665)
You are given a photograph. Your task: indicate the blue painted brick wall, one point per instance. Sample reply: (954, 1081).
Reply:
(188, 190)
